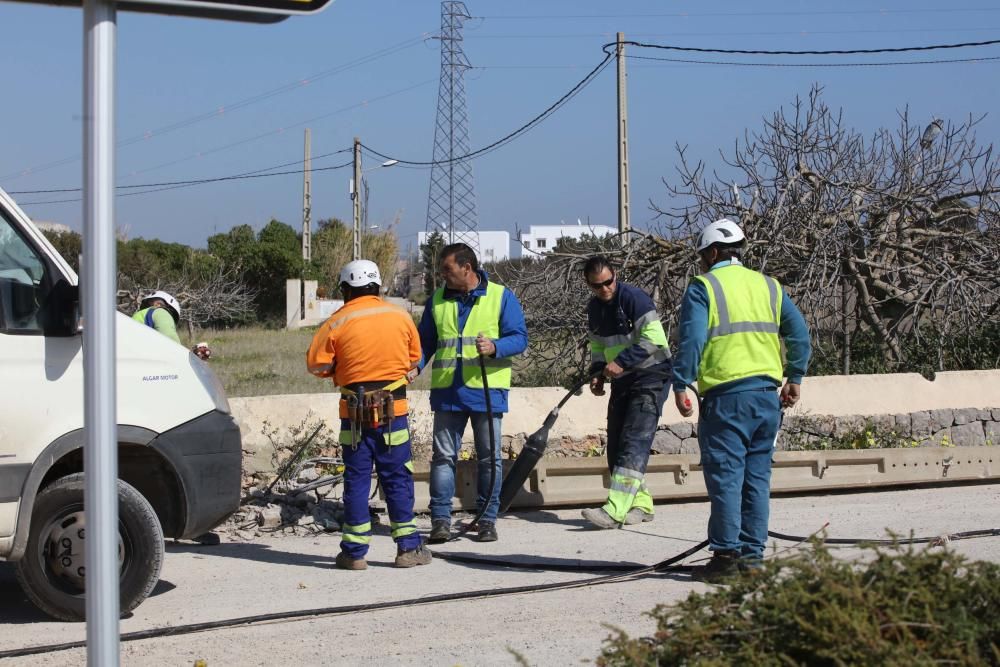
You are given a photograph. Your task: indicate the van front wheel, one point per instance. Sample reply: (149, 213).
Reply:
(52, 573)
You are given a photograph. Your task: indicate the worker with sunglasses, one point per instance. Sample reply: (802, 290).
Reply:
(628, 348)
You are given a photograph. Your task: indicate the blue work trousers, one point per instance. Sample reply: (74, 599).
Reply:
(736, 433)
(394, 468)
(449, 427)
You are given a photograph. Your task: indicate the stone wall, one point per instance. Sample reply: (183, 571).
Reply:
(963, 427)
(954, 405)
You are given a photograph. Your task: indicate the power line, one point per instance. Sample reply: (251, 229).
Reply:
(738, 33)
(516, 133)
(284, 128)
(843, 12)
(235, 106)
(172, 185)
(828, 52)
(878, 64)
(149, 185)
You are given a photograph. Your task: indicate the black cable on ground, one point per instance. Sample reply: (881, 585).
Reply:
(545, 566)
(608, 567)
(668, 565)
(951, 537)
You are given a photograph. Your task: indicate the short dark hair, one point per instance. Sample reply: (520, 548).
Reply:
(463, 255)
(351, 292)
(596, 264)
(728, 250)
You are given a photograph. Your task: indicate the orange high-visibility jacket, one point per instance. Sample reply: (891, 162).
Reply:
(367, 339)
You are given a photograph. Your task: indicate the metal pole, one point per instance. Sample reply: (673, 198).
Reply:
(356, 196)
(307, 201)
(624, 223)
(100, 496)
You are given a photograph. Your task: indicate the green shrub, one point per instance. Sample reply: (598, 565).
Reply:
(901, 606)
(809, 433)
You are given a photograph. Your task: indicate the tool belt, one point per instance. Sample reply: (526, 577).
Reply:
(372, 405)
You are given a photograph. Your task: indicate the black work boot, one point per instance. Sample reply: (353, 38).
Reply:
(487, 532)
(723, 565)
(440, 531)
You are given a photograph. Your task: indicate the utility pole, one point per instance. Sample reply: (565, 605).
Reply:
(624, 223)
(356, 196)
(307, 202)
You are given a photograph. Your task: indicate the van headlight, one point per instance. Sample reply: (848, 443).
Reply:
(211, 383)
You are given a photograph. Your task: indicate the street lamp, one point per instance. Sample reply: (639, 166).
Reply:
(355, 185)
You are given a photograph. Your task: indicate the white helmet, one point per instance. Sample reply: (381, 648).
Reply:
(721, 231)
(171, 302)
(360, 273)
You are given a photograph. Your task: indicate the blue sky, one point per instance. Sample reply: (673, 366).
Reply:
(172, 70)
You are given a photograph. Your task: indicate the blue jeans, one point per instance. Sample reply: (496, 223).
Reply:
(448, 430)
(736, 434)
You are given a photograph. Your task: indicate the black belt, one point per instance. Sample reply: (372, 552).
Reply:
(399, 392)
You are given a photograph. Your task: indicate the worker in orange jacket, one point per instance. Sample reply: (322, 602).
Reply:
(371, 349)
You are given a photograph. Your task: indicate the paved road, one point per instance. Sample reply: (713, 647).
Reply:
(547, 628)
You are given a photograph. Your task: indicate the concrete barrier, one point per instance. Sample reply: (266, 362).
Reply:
(556, 482)
(584, 416)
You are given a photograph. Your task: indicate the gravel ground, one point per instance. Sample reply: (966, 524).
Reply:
(562, 627)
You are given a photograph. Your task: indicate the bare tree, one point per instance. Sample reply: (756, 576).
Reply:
(896, 234)
(895, 237)
(219, 297)
(554, 294)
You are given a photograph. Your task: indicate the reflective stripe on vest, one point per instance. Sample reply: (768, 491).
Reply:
(604, 349)
(453, 345)
(744, 314)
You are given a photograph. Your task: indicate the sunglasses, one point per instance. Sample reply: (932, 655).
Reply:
(602, 284)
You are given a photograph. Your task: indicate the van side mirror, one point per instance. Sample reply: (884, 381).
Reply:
(60, 314)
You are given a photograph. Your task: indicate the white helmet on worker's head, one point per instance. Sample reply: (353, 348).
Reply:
(360, 273)
(724, 232)
(168, 300)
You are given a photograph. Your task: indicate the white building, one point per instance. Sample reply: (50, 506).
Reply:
(493, 246)
(541, 239)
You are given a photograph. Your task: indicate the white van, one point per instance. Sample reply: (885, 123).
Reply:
(179, 450)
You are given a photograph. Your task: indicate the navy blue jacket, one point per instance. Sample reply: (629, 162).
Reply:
(513, 340)
(617, 318)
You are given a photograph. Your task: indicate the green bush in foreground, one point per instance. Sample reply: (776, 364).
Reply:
(902, 606)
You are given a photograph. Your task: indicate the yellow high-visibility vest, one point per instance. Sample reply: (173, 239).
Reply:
(744, 313)
(453, 345)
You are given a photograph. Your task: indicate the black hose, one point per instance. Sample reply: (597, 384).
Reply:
(493, 454)
(667, 565)
(608, 567)
(664, 566)
(534, 448)
(951, 537)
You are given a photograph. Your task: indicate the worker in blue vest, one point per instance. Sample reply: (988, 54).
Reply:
(732, 323)
(471, 316)
(629, 348)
